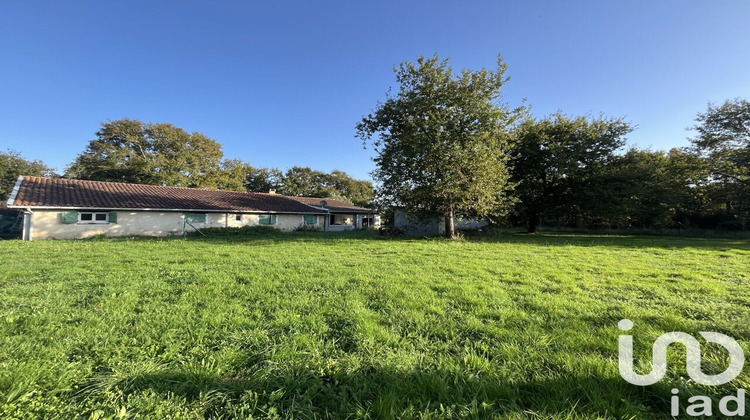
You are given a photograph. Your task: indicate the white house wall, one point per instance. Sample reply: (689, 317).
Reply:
(47, 224)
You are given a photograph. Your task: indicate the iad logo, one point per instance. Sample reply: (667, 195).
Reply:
(702, 404)
(659, 363)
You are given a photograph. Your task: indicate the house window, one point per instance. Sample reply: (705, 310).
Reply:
(267, 219)
(341, 219)
(87, 217)
(310, 219)
(92, 217)
(238, 217)
(195, 217)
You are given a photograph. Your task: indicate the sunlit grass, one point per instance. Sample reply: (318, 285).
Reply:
(354, 325)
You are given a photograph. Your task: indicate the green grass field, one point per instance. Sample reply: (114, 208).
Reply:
(351, 325)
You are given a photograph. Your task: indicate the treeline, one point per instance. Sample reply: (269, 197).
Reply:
(161, 154)
(569, 173)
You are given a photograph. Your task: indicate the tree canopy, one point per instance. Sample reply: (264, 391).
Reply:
(648, 189)
(442, 141)
(159, 153)
(133, 151)
(305, 181)
(724, 140)
(12, 165)
(554, 158)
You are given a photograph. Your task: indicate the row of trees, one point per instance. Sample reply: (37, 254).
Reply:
(446, 145)
(161, 154)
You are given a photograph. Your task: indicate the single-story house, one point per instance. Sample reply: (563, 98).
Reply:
(56, 208)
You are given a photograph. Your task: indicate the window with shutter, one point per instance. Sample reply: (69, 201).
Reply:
(88, 218)
(310, 219)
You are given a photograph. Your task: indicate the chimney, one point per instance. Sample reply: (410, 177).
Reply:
(272, 191)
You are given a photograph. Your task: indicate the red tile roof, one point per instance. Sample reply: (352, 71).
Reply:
(73, 193)
(335, 206)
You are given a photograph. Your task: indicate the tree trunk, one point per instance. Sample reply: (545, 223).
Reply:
(533, 222)
(450, 229)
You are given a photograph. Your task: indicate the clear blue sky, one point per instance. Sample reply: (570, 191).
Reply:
(282, 83)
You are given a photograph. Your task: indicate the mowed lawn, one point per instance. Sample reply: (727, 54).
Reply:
(320, 325)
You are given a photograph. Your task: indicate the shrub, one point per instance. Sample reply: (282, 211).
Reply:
(240, 231)
(307, 228)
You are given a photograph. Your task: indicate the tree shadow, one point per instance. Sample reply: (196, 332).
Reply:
(389, 392)
(620, 241)
(547, 239)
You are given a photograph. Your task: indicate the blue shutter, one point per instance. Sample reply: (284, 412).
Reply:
(266, 219)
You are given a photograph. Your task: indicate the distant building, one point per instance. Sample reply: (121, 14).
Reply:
(431, 225)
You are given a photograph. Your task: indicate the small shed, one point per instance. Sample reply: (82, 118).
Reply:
(432, 225)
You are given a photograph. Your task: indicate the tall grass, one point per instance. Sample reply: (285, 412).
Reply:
(351, 325)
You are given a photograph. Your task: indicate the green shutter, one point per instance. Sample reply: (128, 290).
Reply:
(69, 217)
(310, 219)
(266, 219)
(195, 217)
(112, 217)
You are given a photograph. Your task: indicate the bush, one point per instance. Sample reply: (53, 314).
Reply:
(240, 231)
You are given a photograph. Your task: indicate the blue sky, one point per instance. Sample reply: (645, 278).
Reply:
(283, 83)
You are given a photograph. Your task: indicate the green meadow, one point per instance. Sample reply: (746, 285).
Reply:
(352, 325)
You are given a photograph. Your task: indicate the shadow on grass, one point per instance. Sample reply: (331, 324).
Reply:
(230, 236)
(541, 239)
(621, 241)
(385, 392)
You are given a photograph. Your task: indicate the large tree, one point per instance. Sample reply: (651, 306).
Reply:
(359, 192)
(12, 164)
(133, 151)
(233, 175)
(553, 160)
(442, 141)
(305, 181)
(263, 179)
(724, 139)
